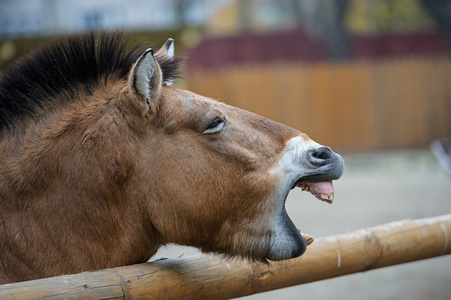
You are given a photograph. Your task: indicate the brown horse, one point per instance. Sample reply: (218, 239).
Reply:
(102, 162)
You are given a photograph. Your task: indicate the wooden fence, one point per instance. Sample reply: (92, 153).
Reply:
(354, 105)
(205, 277)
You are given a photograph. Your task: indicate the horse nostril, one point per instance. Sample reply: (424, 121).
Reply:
(320, 156)
(322, 153)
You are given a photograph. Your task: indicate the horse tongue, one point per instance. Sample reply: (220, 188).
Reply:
(323, 190)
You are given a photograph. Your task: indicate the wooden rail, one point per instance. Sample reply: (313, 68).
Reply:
(208, 277)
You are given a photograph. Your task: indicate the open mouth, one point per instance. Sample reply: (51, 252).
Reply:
(322, 190)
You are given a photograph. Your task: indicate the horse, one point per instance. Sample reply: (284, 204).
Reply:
(103, 161)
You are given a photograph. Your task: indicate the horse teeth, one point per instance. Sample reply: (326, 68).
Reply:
(329, 198)
(326, 197)
(308, 238)
(305, 188)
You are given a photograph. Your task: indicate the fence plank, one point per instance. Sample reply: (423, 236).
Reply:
(207, 277)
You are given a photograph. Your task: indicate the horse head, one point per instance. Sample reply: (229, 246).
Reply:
(102, 161)
(220, 175)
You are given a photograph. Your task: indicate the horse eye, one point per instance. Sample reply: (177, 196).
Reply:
(216, 125)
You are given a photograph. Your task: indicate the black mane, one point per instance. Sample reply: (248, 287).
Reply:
(33, 83)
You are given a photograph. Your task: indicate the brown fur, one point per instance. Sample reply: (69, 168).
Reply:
(97, 183)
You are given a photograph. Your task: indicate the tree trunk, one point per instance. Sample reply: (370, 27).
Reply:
(439, 10)
(338, 38)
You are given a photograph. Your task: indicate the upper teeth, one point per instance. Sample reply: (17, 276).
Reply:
(322, 196)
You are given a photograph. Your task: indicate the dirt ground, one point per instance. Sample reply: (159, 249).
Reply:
(376, 188)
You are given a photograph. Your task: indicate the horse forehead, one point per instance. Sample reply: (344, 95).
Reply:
(196, 106)
(188, 102)
(185, 100)
(193, 101)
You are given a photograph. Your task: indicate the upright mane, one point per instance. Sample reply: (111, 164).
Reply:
(33, 83)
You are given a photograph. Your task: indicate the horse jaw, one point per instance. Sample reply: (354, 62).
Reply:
(287, 240)
(295, 169)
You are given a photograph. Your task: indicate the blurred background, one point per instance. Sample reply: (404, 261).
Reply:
(354, 74)
(370, 78)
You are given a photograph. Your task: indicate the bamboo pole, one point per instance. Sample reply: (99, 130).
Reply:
(208, 277)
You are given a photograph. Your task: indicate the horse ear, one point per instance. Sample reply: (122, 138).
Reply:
(145, 81)
(166, 54)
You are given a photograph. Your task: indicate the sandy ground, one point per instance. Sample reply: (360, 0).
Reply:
(376, 188)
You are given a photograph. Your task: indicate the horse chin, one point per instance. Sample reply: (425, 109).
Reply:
(287, 240)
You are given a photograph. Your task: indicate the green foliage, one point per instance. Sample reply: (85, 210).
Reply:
(381, 16)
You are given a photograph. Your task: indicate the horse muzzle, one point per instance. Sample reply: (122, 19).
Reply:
(312, 167)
